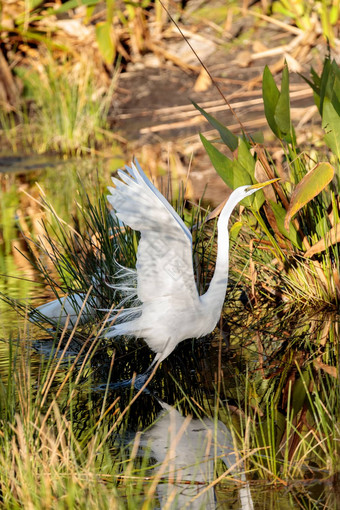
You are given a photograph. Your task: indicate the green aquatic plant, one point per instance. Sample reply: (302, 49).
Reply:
(300, 222)
(308, 15)
(67, 99)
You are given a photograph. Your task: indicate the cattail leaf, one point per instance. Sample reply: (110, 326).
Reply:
(308, 188)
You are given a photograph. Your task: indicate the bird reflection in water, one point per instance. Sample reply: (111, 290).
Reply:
(186, 449)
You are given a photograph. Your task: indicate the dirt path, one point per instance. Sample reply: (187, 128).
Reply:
(153, 107)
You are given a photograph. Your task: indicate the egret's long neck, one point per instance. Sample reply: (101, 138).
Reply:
(214, 297)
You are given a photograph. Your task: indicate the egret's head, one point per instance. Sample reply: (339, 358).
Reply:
(245, 191)
(239, 194)
(249, 190)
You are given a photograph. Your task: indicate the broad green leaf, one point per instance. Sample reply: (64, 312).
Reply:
(258, 200)
(257, 137)
(322, 227)
(231, 171)
(334, 13)
(325, 83)
(227, 136)
(282, 110)
(89, 14)
(245, 158)
(331, 125)
(105, 41)
(317, 101)
(280, 427)
(308, 188)
(336, 95)
(110, 5)
(276, 422)
(291, 233)
(271, 95)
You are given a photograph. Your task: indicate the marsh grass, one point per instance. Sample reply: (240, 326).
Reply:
(69, 427)
(62, 109)
(60, 446)
(68, 441)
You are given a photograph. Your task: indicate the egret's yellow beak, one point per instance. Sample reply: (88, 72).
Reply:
(260, 185)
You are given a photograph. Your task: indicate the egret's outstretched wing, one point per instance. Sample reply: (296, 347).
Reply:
(164, 257)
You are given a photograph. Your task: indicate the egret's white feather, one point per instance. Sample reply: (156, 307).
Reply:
(65, 310)
(164, 305)
(164, 257)
(170, 309)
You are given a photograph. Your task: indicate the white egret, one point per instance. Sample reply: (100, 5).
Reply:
(167, 307)
(65, 310)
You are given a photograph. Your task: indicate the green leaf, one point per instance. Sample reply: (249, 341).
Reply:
(72, 4)
(322, 228)
(247, 161)
(291, 233)
(334, 13)
(227, 136)
(275, 422)
(258, 200)
(271, 95)
(282, 110)
(235, 229)
(325, 83)
(105, 41)
(331, 125)
(257, 137)
(32, 4)
(317, 101)
(309, 187)
(245, 158)
(336, 95)
(230, 171)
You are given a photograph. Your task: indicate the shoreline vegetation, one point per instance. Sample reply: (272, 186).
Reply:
(60, 62)
(266, 383)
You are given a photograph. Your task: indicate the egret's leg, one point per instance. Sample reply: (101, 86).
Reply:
(140, 379)
(156, 358)
(160, 356)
